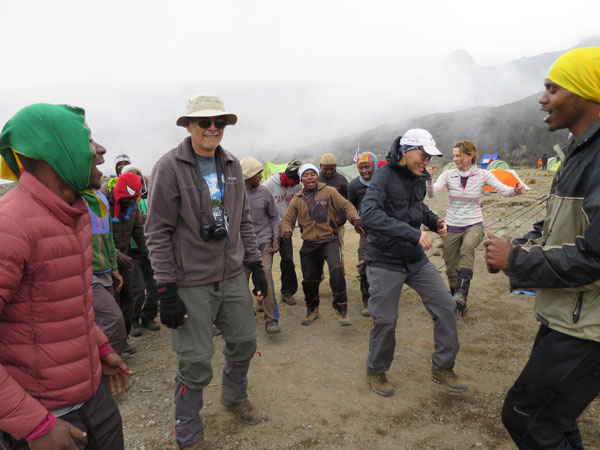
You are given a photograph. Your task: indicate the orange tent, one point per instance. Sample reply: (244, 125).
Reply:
(506, 177)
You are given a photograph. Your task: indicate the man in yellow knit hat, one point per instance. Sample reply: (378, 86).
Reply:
(561, 259)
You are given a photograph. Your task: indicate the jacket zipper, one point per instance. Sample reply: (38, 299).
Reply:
(577, 310)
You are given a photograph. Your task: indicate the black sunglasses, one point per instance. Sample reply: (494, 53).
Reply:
(205, 123)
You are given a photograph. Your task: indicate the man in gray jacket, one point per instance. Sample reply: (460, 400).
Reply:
(200, 235)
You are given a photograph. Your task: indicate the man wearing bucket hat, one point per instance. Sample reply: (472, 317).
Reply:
(392, 213)
(331, 177)
(200, 236)
(561, 260)
(265, 218)
(53, 393)
(283, 186)
(315, 208)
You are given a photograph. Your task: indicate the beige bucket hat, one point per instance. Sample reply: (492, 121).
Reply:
(206, 105)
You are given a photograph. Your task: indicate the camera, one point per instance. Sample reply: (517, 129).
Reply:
(217, 230)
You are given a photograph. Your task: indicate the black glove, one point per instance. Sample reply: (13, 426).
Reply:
(258, 278)
(172, 308)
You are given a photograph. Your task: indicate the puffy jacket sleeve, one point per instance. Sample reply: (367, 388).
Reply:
(20, 413)
(163, 211)
(374, 216)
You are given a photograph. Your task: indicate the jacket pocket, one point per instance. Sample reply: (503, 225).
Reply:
(321, 210)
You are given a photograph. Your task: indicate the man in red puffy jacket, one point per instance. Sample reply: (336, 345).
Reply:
(53, 394)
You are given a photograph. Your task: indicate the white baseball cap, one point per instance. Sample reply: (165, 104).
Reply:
(417, 137)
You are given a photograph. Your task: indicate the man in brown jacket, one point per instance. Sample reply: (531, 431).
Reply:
(315, 208)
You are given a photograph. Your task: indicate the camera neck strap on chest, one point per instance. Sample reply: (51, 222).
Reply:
(200, 178)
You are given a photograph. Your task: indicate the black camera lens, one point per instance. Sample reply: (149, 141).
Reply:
(220, 232)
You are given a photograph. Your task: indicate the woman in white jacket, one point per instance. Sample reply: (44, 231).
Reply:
(464, 216)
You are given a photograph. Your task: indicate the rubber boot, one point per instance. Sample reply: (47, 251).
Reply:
(461, 292)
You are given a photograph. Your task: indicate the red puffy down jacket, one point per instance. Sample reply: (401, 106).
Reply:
(48, 339)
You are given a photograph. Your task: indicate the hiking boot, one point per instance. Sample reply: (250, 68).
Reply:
(311, 316)
(450, 379)
(259, 307)
(288, 299)
(272, 328)
(461, 304)
(365, 312)
(379, 384)
(201, 444)
(343, 319)
(152, 325)
(245, 412)
(136, 329)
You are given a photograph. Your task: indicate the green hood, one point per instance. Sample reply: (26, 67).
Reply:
(56, 134)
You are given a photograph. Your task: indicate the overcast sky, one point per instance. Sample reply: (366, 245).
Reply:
(59, 47)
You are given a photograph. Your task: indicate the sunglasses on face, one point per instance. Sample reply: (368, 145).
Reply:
(424, 156)
(205, 123)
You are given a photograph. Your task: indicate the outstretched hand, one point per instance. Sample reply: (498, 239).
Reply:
(117, 372)
(520, 188)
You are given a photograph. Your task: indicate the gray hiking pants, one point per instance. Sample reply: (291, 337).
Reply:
(384, 294)
(228, 305)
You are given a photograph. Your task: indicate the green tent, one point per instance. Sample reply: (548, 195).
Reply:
(450, 165)
(271, 168)
(350, 172)
(498, 164)
(551, 162)
(555, 166)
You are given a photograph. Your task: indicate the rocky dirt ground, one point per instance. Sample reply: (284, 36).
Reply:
(309, 382)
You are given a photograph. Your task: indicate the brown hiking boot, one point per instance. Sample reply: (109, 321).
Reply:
(288, 299)
(365, 312)
(379, 384)
(201, 444)
(343, 319)
(311, 316)
(245, 412)
(450, 379)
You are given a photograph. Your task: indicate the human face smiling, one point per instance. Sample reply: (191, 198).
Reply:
(366, 170)
(205, 140)
(415, 161)
(463, 162)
